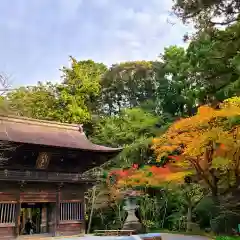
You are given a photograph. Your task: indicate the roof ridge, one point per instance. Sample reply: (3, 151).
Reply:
(39, 122)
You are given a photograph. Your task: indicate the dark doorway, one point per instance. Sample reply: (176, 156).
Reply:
(37, 214)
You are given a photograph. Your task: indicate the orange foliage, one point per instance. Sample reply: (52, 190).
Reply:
(203, 141)
(148, 176)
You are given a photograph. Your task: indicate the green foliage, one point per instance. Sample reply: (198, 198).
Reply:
(149, 211)
(189, 196)
(125, 128)
(225, 222)
(133, 129)
(227, 238)
(137, 152)
(215, 65)
(175, 93)
(36, 101)
(71, 101)
(205, 211)
(80, 89)
(207, 13)
(127, 84)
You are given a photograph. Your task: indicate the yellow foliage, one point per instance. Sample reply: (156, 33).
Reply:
(202, 138)
(234, 101)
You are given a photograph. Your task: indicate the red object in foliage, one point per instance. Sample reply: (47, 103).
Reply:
(160, 170)
(174, 157)
(222, 146)
(119, 173)
(123, 173)
(135, 166)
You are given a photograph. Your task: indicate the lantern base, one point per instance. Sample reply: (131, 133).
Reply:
(137, 227)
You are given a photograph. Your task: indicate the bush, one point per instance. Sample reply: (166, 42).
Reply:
(227, 238)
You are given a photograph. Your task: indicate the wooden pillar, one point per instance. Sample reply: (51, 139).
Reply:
(24, 218)
(17, 217)
(83, 212)
(29, 213)
(18, 211)
(51, 209)
(43, 226)
(57, 211)
(84, 188)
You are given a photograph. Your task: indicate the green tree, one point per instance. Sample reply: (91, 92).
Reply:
(80, 89)
(125, 128)
(175, 91)
(127, 85)
(36, 101)
(133, 129)
(207, 72)
(207, 13)
(71, 101)
(214, 60)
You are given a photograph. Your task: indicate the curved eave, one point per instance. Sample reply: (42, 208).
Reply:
(46, 133)
(100, 148)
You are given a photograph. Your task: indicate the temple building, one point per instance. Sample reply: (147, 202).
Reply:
(41, 176)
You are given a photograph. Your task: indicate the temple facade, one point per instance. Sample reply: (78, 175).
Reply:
(41, 176)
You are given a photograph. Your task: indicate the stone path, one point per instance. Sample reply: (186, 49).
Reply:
(165, 236)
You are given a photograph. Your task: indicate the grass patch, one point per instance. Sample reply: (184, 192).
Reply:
(227, 238)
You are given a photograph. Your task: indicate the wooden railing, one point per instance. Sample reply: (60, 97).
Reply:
(71, 211)
(42, 176)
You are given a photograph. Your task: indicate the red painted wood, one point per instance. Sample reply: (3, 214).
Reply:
(69, 229)
(41, 196)
(6, 197)
(7, 233)
(70, 195)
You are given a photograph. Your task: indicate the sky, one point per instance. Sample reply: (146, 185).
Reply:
(38, 36)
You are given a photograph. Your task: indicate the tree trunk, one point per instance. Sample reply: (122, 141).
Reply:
(215, 198)
(91, 214)
(189, 218)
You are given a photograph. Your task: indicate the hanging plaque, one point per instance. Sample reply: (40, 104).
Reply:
(43, 160)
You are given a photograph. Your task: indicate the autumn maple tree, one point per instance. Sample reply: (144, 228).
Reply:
(208, 144)
(205, 145)
(149, 176)
(136, 178)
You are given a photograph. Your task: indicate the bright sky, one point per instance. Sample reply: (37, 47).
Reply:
(37, 36)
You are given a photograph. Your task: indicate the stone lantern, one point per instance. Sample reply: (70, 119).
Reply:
(132, 222)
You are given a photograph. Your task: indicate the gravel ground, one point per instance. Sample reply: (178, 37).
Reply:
(165, 236)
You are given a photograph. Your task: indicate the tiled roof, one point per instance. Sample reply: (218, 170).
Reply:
(48, 133)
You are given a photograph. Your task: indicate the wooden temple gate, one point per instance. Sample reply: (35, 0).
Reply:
(60, 213)
(41, 166)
